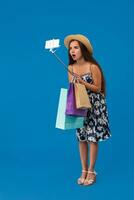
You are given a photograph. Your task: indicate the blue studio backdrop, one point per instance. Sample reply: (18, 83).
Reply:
(38, 161)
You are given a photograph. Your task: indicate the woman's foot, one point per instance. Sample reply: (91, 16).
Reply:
(91, 178)
(83, 177)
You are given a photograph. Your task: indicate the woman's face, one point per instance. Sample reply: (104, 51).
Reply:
(75, 51)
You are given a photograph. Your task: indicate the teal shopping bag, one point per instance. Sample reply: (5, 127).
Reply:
(65, 121)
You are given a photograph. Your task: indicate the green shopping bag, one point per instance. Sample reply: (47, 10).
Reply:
(65, 121)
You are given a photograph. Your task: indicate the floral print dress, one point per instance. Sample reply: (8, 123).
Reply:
(96, 124)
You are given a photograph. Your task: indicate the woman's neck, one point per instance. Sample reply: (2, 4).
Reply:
(80, 62)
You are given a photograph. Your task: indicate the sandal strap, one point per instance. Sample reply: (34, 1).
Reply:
(89, 181)
(84, 170)
(91, 178)
(90, 172)
(81, 179)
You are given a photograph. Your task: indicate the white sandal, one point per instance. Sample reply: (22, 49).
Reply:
(91, 178)
(82, 178)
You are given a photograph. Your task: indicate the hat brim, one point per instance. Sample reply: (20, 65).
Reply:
(80, 38)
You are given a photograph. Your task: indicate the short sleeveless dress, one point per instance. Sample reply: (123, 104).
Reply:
(96, 124)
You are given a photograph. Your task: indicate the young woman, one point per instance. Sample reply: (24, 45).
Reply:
(96, 124)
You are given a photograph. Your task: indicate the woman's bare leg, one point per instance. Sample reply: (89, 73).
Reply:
(83, 149)
(91, 175)
(93, 155)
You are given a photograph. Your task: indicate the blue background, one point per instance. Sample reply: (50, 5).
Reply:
(38, 161)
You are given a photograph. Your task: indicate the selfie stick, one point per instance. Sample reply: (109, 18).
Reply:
(51, 45)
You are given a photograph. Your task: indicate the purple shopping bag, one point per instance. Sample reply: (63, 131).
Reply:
(71, 104)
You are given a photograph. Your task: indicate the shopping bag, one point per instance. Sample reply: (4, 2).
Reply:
(81, 96)
(64, 121)
(71, 104)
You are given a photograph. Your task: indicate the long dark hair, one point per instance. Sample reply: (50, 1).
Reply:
(88, 57)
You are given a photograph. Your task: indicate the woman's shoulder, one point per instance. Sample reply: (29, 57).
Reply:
(70, 66)
(92, 67)
(95, 71)
(95, 67)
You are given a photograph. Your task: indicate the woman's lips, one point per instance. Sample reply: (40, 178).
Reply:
(73, 56)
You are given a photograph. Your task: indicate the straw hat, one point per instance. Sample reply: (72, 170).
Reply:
(80, 38)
